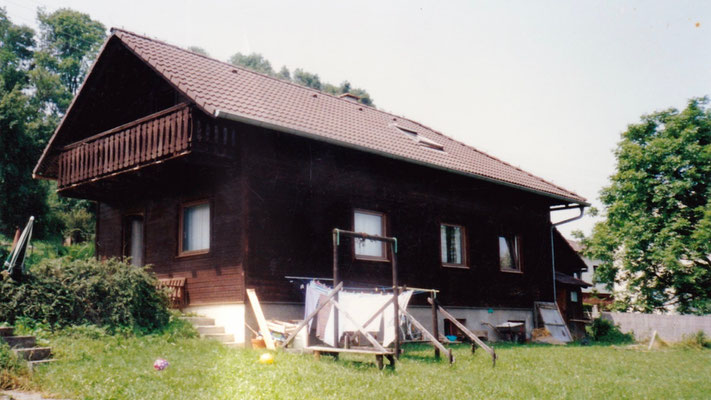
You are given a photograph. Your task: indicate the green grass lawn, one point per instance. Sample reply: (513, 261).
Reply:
(122, 368)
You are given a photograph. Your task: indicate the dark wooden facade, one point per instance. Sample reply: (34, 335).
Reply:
(276, 197)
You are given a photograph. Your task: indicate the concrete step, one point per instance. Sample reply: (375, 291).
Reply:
(200, 321)
(33, 353)
(17, 342)
(32, 364)
(234, 345)
(220, 337)
(206, 330)
(7, 331)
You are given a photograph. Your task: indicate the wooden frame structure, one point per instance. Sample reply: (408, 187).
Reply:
(379, 350)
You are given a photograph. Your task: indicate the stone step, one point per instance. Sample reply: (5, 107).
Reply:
(220, 337)
(17, 342)
(200, 321)
(7, 331)
(33, 353)
(234, 345)
(206, 330)
(32, 364)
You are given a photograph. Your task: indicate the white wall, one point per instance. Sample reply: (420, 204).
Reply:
(229, 316)
(669, 327)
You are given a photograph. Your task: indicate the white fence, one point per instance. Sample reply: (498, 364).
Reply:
(669, 327)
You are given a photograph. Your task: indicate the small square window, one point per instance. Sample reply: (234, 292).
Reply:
(452, 245)
(372, 223)
(510, 253)
(195, 228)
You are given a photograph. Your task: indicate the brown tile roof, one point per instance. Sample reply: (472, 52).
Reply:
(222, 89)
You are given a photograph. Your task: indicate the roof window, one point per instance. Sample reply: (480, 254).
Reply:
(421, 140)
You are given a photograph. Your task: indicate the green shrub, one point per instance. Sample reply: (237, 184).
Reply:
(11, 368)
(62, 292)
(697, 340)
(604, 331)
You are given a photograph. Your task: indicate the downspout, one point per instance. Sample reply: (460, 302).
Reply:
(565, 221)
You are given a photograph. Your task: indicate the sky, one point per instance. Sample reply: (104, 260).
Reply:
(548, 86)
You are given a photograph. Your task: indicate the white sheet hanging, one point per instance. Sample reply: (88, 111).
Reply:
(361, 306)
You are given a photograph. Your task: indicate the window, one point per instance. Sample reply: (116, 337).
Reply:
(133, 239)
(372, 223)
(510, 253)
(574, 296)
(195, 228)
(452, 245)
(421, 140)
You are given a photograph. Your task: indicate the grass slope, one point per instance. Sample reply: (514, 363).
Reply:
(121, 368)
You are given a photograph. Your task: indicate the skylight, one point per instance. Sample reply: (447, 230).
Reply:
(421, 140)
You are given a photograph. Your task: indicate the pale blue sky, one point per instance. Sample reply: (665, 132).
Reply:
(545, 85)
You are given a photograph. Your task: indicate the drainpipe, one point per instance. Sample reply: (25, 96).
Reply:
(565, 221)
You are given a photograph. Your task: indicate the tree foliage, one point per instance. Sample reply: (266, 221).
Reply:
(39, 73)
(656, 236)
(257, 62)
(69, 42)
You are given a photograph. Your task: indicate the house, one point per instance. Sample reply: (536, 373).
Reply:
(597, 294)
(234, 180)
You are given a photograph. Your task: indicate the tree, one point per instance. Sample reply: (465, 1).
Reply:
(20, 196)
(307, 79)
(69, 42)
(284, 73)
(255, 62)
(656, 236)
(199, 50)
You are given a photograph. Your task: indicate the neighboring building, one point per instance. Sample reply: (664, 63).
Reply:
(597, 294)
(232, 179)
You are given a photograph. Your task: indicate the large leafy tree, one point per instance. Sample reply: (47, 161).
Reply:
(68, 43)
(20, 196)
(38, 78)
(656, 236)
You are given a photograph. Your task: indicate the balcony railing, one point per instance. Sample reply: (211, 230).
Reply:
(156, 138)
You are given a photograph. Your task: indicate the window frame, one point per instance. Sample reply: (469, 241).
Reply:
(383, 232)
(181, 216)
(464, 245)
(517, 248)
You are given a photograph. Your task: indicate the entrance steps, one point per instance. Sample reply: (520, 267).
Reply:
(208, 330)
(25, 347)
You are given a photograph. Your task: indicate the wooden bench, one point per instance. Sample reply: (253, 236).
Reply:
(334, 351)
(176, 291)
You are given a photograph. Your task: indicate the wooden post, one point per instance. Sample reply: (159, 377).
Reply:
(435, 324)
(336, 281)
(396, 303)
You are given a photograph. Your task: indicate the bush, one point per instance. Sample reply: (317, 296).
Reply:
(604, 331)
(62, 292)
(697, 340)
(10, 367)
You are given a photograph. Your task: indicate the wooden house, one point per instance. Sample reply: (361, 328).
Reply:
(233, 179)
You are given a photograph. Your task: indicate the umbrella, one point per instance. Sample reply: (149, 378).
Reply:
(15, 263)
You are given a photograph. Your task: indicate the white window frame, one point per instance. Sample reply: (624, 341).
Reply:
(383, 232)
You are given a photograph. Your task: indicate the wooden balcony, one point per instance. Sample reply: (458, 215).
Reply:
(154, 139)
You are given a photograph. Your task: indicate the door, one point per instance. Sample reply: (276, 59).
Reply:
(133, 239)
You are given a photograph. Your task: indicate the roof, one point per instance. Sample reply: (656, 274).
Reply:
(227, 91)
(569, 280)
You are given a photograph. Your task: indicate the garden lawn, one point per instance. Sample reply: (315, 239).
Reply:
(122, 368)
